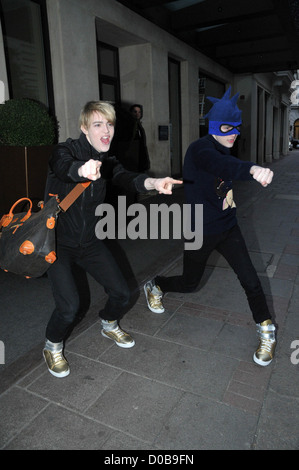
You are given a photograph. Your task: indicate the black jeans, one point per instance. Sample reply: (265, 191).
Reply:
(96, 260)
(232, 246)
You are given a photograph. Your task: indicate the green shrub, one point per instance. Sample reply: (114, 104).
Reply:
(25, 122)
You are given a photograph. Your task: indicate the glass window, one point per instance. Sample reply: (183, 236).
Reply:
(108, 62)
(108, 66)
(25, 36)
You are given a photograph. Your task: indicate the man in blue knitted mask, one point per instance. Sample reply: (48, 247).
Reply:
(209, 171)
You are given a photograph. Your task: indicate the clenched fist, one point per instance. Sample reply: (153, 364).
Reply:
(261, 175)
(90, 170)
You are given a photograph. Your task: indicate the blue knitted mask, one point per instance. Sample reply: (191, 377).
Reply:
(224, 111)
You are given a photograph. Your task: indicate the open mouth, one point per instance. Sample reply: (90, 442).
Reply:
(105, 140)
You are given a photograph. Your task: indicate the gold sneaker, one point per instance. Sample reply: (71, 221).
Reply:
(153, 295)
(265, 351)
(112, 330)
(56, 362)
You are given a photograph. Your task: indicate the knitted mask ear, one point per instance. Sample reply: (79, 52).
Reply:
(224, 111)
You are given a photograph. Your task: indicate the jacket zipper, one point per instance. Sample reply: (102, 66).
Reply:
(81, 207)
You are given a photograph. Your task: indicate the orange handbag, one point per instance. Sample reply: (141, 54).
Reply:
(27, 240)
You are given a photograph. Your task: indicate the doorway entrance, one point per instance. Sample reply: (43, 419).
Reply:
(175, 128)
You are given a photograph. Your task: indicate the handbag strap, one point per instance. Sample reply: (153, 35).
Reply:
(73, 195)
(63, 205)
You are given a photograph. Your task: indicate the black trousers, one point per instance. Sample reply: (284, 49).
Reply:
(231, 245)
(96, 260)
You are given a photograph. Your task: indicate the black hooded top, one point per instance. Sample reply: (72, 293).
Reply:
(209, 170)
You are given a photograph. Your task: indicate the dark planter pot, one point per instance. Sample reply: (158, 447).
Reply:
(23, 173)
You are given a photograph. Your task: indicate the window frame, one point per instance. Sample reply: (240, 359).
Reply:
(46, 52)
(106, 79)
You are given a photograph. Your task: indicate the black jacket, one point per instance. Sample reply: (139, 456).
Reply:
(209, 172)
(77, 225)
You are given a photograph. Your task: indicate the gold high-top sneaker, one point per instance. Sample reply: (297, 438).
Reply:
(153, 295)
(55, 360)
(265, 351)
(112, 330)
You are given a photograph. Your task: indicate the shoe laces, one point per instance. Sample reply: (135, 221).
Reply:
(267, 338)
(156, 293)
(57, 357)
(266, 344)
(117, 331)
(157, 296)
(155, 300)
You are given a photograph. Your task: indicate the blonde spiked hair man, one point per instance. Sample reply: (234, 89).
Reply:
(81, 160)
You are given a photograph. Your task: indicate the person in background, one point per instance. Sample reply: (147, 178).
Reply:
(138, 143)
(129, 146)
(208, 173)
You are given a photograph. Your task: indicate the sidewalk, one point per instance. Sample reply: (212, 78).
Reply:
(190, 382)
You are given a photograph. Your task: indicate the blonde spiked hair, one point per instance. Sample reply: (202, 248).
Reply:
(103, 107)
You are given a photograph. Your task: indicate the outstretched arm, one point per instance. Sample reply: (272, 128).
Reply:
(91, 170)
(163, 185)
(261, 175)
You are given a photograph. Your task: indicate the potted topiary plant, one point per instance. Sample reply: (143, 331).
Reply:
(27, 135)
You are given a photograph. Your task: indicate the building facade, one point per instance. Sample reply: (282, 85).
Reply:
(67, 52)
(294, 114)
